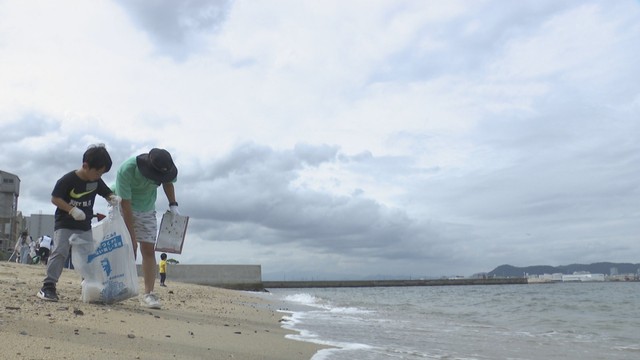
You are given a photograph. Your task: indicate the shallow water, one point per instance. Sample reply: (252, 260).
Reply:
(543, 321)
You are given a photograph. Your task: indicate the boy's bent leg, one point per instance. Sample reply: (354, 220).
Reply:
(59, 254)
(55, 263)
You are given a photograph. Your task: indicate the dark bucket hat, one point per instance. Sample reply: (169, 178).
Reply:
(157, 165)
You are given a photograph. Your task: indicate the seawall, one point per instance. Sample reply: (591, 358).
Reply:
(237, 277)
(249, 277)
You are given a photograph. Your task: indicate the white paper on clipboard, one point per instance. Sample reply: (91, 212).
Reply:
(173, 229)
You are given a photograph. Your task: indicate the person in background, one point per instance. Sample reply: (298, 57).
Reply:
(137, 183)
(74, 196)
(45, 248)
(163, 269)
(33, 251)
(22, 248)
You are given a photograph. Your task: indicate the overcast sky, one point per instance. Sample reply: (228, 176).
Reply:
(332, 139)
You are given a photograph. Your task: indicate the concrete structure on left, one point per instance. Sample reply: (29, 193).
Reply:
(237, 277)
(9, 217)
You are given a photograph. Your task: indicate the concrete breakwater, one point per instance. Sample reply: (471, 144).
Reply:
(236, 277)
(390, 283)
(249, 277)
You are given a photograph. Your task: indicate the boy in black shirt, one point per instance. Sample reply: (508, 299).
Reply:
(74, 195)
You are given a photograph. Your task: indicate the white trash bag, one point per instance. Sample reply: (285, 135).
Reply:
(104, 258)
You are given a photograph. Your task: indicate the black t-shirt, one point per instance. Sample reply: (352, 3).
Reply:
(78, 193)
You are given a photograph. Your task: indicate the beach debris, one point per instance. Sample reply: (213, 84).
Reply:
(77, 312)
(12, 307)
(238, 332)
(131, 336)
(23, 333)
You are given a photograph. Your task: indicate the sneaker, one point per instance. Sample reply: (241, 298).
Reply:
(48, 294)
(163, 285)
(151, 301)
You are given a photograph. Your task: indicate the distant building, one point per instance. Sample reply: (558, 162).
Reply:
(581, 276)
(10, 224)
(556, 277)
(39, 224)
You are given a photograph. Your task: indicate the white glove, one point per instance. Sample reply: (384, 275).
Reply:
(77, 214)
(174, 210)
(114, 200)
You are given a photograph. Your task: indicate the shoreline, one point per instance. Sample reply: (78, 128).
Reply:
(195, 322)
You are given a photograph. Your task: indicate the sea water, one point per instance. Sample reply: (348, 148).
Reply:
(539, 321)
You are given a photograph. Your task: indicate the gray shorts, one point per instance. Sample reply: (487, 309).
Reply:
(145, 226)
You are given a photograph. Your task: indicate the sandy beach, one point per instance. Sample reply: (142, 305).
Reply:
(196, 322)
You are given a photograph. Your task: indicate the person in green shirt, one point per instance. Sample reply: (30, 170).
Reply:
(137, 182)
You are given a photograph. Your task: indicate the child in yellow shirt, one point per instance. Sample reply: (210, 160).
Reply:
(163, 268)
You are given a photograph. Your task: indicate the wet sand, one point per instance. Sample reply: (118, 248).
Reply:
(195, 322)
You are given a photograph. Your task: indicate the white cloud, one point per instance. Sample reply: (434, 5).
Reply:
(424, 138)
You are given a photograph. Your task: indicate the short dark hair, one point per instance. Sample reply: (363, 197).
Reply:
(163, 256)
(97, 157)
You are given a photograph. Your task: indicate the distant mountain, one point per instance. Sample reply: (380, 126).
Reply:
(595, 268)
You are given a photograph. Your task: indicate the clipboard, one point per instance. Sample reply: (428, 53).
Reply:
(173, 229)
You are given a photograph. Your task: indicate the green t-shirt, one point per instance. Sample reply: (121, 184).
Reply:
(131, 185)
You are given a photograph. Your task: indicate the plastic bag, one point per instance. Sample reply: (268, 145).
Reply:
(105, 259)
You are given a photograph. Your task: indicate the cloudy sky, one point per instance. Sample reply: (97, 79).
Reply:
(345, 139)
